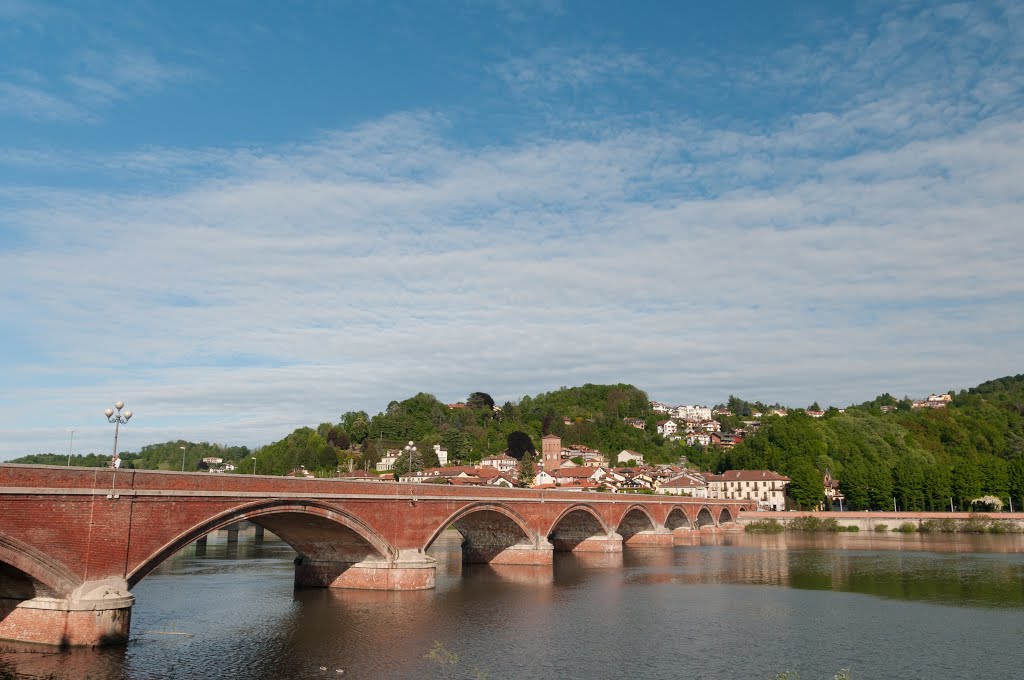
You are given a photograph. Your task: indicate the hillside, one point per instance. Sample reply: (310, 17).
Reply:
(879, 450)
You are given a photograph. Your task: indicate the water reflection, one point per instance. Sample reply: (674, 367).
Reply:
(642, 613)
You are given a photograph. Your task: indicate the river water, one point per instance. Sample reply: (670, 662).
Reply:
(731, 607)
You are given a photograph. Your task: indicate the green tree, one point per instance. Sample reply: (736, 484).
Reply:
(806, 486)
(527, 470)
(480, 400)
(402, 465)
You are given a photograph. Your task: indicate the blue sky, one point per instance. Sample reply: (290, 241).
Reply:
(242, 218)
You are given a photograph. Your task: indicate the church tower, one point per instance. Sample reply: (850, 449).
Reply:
(551, 452)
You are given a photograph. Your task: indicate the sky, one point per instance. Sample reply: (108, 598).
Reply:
(243, 218)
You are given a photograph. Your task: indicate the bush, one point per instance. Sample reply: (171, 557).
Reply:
(812, 523)
(906, 528)
(881, 527)
(851, 528)
(945, 526)
(804, 523)
(764, 526)
(975, 525)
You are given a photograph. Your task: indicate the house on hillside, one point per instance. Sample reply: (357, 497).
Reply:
(766, 488)
(627, 455)
(684, 485)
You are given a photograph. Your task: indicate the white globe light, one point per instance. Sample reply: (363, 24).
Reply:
(119, 405)
(109, 412)
(127, 415)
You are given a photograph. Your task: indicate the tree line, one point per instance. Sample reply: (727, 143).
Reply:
(925, 459)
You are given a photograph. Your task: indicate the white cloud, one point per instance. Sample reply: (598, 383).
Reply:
(231, 294)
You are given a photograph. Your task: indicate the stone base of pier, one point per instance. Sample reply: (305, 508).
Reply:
(525, 554)
(611, 543)
(415, 573)
(658, 537)
(95, 615)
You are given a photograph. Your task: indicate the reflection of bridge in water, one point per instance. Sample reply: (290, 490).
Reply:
(74, 541)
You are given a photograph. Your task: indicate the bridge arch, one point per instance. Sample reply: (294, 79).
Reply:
(576, 524)
(488, 530)
(704, 518)
(725, 516)
(635, 519)
(317, 532)
(678, 519)
(31, 572)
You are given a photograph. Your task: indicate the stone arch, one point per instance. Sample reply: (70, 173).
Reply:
(677, 519)
(31, 572)
(725, 516)
(575, 525)
(319, 533)
(488, 530)
(634, 520)
(704, 518)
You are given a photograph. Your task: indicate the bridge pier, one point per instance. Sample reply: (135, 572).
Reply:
(608, 543)
(96, 614)
(411, 571)
(658, 537)
(538, 553)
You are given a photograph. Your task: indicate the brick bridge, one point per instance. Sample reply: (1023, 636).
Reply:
(75, 541)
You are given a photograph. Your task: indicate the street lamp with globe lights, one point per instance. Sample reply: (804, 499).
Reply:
(118, 418)
(70, 444)
(410, 448)
(182, 458)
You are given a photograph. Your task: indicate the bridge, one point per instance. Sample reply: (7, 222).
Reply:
(75, 541)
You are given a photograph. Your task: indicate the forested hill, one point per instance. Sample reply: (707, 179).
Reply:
(922, 457)
(878, 450)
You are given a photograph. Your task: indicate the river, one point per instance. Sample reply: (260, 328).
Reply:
(728, 607)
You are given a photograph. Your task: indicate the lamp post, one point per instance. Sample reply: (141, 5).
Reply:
(254, 465)
(182, 458)
(410, 448)
(70, 444)
(118, 418)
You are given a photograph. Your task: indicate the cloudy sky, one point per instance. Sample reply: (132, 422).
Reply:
(243, 219)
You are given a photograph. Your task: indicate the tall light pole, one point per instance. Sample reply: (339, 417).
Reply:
(182, 458)
(70, 444)
(410, 448)
(118, 419)
(254, 465)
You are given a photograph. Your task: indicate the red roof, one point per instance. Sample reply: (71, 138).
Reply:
(575, 472)
(747, 476)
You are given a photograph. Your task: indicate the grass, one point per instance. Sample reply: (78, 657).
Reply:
(764, 526)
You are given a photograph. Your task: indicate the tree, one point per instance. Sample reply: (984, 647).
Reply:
(806, 486)
(814, 407)
(402, 464)
(519, 444)
(480, 400)
(527, 472)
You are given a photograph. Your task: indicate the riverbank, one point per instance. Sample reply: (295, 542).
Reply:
(874, 521)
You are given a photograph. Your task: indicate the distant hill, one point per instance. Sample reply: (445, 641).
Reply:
(879, 450)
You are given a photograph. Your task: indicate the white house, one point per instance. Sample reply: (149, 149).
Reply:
(765, 487)
(442, 455)
(702, 438)
(501, 461)
(693, 414)
(667, 428)
(626, 454)
(387, 462)
(683, 485)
